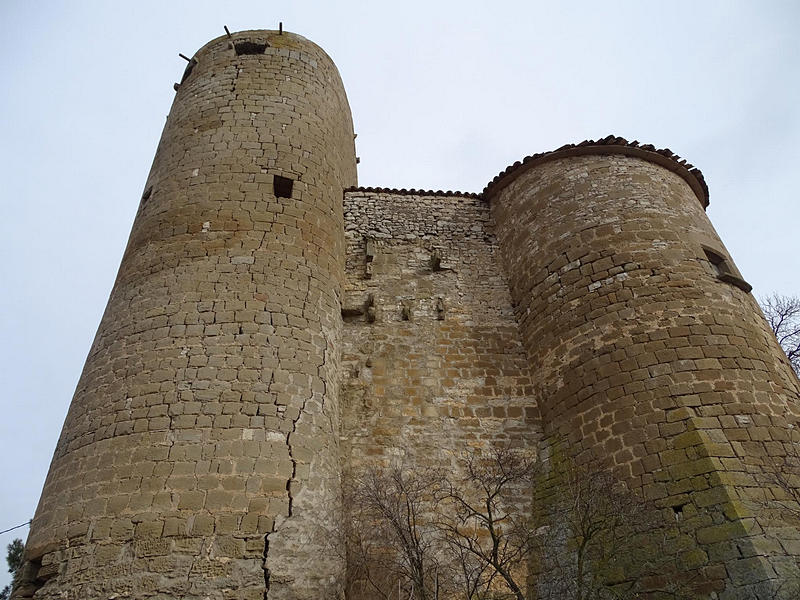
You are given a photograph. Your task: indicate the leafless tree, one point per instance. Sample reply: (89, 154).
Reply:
(472, 577)
(785, 478)
(391, 546)
(588, 515)
(484, 517)
(603, 541)
(470, 533)
(779, 513)
(783, 315)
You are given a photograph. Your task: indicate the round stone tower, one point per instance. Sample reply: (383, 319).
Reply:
(199, 458)
(649, 352)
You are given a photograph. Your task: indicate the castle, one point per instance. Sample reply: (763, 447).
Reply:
(272, 323)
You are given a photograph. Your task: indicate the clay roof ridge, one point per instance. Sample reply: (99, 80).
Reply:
(412, 192)
(681, 166)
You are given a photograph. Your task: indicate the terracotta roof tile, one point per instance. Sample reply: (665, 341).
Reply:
(412, 192)
(610, 145)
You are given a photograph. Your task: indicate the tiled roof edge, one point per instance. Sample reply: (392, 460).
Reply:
(412, 192)
(608, 145)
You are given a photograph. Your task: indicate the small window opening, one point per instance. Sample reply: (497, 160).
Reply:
(678, 511)
(436, 261)
(724, 270)
(188, 70)
(350, 315)
(248, 47)
(405, 312)
(282, 186)
(718, 262)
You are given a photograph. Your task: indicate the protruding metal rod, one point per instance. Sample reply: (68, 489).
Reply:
(184, 57)
(280, 28)
(226, 30)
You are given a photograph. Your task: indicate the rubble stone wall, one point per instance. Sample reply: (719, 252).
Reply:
(433, 364)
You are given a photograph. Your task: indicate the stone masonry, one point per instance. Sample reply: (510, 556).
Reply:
(273, 325)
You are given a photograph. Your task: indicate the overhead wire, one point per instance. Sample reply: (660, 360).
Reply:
(16, 527)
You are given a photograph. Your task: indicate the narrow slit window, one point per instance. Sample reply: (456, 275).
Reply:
(282, 186)
(725, 271)
(248, 47)
(718, 262)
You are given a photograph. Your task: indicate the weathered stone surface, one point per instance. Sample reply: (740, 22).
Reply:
(441, 367)
(211, 388)
(265, 335)
(643, 356)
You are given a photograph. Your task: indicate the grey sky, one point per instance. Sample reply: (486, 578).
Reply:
(444, 96)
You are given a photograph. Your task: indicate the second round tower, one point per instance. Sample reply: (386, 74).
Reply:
(652, 358)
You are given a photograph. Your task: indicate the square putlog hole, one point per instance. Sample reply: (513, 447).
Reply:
(282, 186)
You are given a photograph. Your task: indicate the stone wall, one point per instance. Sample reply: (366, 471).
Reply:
(650, 354)
(201, 439)
(433, 367)
(433, 364)
(269, 331)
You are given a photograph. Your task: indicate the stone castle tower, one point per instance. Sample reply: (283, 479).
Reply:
(272, 324)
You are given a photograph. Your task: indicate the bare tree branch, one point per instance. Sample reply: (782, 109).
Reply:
(389, 544)
(469, 533)
(486, 516)
(783, 315)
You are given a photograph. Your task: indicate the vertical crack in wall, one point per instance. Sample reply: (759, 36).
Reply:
(325, 388)
(293, 476)
(290, 448)
(265, 567)
(235, 78)
(294, 461)
(302, 411)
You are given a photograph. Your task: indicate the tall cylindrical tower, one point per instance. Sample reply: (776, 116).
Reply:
(199, 457)
(650, 353)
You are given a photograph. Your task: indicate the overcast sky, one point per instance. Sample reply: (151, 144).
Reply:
(444, 96)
